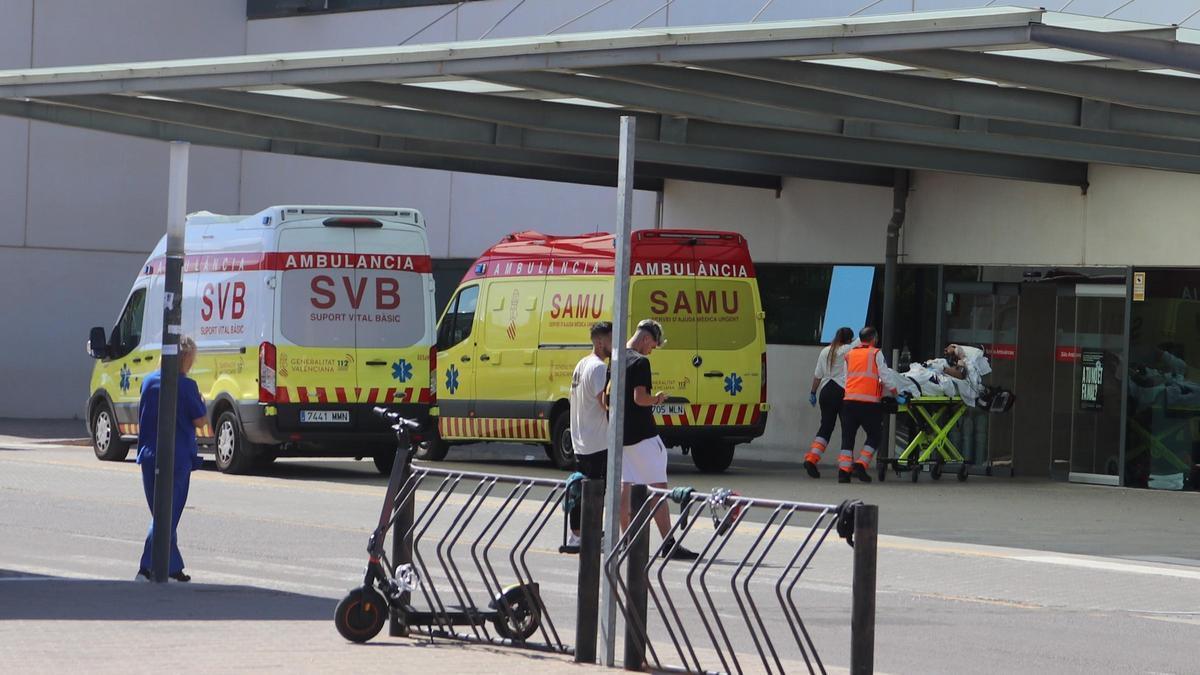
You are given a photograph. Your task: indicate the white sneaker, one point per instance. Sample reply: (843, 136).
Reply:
(142, 576)
(572, 539)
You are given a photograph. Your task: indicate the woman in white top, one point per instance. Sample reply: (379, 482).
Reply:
(829, 380)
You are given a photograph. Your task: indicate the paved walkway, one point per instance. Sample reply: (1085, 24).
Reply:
(126, 627)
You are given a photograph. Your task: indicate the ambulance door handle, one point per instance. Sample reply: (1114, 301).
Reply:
(138, 360)
(465, 359)
(485, 357)
(376, 363)
(714, 373)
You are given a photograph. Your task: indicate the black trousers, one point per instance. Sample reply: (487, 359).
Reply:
(830, 402)
(868, 417)
(595, 467)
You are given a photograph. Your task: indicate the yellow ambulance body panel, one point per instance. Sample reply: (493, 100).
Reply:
(305, 317)
(519, 323)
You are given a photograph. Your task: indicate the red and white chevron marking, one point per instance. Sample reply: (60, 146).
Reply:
(352, 395)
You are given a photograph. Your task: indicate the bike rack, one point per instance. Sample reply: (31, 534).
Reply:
(639, 578)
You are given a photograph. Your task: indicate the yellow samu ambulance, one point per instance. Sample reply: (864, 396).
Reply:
(518, 323)
(305, 317)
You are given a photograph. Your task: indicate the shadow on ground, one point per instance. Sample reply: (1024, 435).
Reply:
(41, 598)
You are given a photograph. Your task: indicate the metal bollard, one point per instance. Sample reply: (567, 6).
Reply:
(862, 620)
(639, 557)
(587, 619)
(402, 546)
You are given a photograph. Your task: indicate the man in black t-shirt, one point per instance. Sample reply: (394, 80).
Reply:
(644, 458)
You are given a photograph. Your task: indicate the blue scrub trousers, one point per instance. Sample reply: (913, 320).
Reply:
(183, 478)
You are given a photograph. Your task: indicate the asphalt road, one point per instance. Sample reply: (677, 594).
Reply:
(985, 576)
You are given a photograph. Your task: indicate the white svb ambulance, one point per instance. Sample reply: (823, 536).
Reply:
(305, 318)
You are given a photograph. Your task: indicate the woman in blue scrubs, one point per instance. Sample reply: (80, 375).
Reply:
(189, 415)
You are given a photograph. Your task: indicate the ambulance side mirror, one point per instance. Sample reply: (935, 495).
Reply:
(97, 343)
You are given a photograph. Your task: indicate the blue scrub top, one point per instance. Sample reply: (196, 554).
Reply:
(189, 407)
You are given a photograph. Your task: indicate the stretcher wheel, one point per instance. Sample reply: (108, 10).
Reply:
(916, 471)
(935, 472)
(962, 473)
(882, 471)
(361, 614)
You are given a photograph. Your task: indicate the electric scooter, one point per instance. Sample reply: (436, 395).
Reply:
(386, 588)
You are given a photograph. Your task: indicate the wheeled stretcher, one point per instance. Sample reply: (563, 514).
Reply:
(935, 417)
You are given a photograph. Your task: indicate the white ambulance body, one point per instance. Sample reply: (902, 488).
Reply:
(305, 318)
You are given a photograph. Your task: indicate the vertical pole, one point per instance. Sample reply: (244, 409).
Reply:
(402, 545)
(616, 415)
(1125, 375)
(637, 581)
(587, 616)
(890, 262)
(164, 462)
(862, 619)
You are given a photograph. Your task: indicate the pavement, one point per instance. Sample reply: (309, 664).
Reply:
(991, 575)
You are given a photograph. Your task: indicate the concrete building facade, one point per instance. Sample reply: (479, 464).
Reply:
(81, 209)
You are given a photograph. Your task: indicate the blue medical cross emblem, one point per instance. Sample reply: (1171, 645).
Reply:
(125, 375)
(402, 370)
(733, 384)
(452, 379)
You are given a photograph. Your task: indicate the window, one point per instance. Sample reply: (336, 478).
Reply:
(127, 334)
(793, 297)
(273, 9)
(460, 316)
(447, 273)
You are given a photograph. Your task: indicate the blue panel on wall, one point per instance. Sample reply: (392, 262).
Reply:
(849, 298)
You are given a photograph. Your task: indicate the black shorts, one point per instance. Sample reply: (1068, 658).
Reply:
(594, 465)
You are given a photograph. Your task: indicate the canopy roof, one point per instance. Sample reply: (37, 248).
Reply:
(1000, 92)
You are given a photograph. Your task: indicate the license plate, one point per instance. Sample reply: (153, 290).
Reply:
(325, 416)
(669, 409)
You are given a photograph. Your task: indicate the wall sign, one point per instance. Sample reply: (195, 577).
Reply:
(1091, 379)
(1139, 286)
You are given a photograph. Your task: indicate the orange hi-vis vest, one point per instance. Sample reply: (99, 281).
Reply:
(862, 375)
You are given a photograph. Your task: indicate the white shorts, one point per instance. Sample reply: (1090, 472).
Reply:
(644, 462)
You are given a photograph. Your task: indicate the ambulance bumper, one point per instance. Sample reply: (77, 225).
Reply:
(692, 436)
(330, 439)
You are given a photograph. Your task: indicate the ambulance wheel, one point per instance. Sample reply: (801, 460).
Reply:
(385, 459)
(432, 449)
(106, 435)
(360, 615)
(233, 453)
(713, 457)
(560, 451)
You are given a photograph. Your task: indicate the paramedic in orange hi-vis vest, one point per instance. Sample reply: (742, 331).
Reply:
(861, 406)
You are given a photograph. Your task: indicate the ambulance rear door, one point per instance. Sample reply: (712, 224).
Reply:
(319, 300)
(393, 289)
(663, 288)
(506, 353)
(730, 342)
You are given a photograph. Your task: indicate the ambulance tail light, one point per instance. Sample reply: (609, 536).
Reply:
(266, 373)
(433, 375)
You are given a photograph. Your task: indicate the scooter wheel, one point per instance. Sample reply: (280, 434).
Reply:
(360, 615)
(517, 614)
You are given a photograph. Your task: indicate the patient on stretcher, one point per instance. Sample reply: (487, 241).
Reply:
(959, 374)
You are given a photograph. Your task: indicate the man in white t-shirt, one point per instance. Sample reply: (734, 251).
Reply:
(589, 420)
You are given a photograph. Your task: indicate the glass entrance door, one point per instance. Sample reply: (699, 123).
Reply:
(1088, 380)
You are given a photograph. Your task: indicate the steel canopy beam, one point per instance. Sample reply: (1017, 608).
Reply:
(891, 122)
(834, 145)
(1120, 125)
(475, 58)
(664, 140)
(1131, 88)
(1166, 53)
(155, 130)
